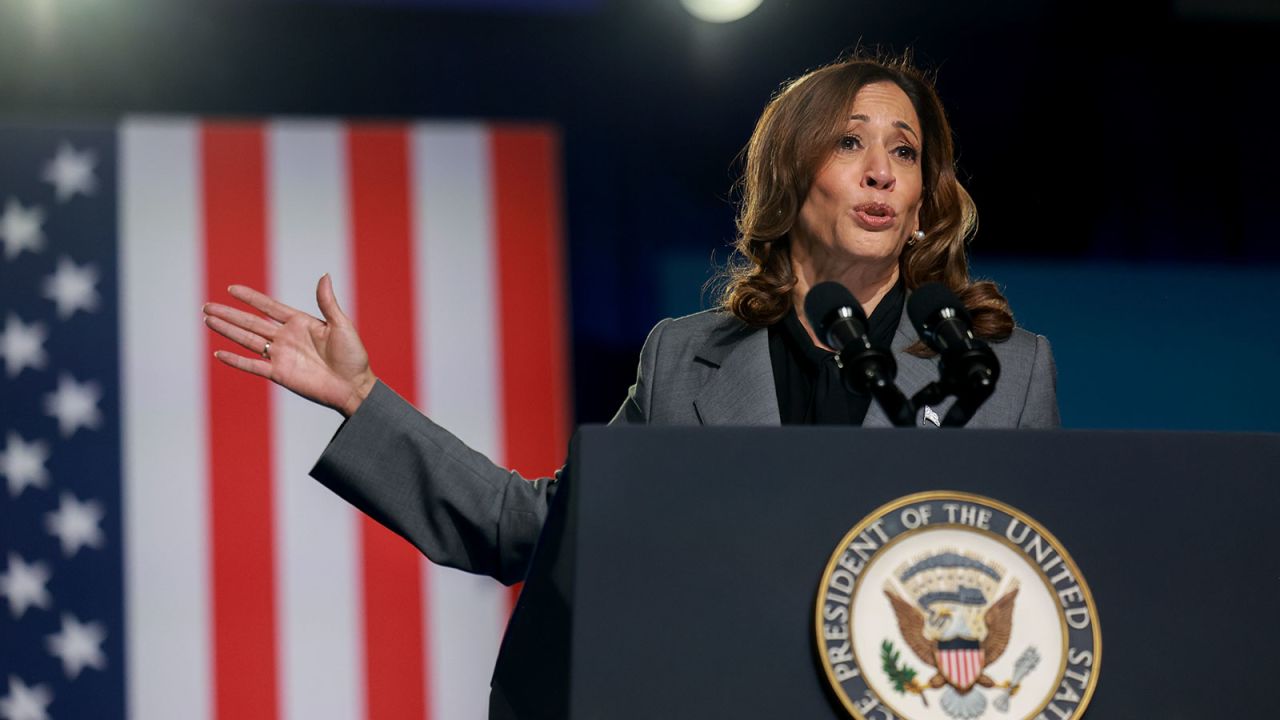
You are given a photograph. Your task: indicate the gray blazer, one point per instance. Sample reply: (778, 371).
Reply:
(463, 511)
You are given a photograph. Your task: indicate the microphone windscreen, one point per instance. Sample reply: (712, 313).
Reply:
(824, 299)
(928, 300)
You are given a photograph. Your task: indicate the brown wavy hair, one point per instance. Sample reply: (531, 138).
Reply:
(793, 139)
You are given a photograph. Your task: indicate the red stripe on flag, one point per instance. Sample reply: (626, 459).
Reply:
(395, 663)
(240, 487)
(531, 304)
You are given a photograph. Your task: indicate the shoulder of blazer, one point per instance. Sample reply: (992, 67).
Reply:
(710, 368)
(708, 336)
(1018, 348)
(1019, 357)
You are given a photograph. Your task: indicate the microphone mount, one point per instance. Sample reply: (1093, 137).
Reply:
(838, 320)
(967, 366)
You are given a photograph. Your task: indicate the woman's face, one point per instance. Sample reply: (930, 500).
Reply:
(865, 201)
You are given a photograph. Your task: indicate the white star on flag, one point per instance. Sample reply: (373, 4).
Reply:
(20, 228)
(71, 287)
(75, 405)
(22, 345)
(24, 585)
(77, 645)
(71, 172)
(25, 703)
(75, 524)
(23, 464)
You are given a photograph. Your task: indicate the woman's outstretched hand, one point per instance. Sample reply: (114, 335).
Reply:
(321, 360)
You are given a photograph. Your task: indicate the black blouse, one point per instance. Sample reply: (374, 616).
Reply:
(806, 377)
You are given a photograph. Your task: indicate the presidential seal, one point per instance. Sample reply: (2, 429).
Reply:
(951, 606)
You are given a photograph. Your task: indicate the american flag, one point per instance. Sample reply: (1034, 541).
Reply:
(163, 553)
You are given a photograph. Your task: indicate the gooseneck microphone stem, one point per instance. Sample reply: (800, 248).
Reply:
(896, 407)
(968, 368)
(839, 321)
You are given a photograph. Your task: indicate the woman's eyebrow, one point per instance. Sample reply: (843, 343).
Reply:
(896, 123)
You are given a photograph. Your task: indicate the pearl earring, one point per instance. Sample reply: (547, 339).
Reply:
(916, 237)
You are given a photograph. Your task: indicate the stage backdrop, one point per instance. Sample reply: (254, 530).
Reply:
(1153, 346)
(163, 553)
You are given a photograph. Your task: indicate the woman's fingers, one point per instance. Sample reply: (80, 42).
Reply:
(252, 342)
(264, 304)
(249, 365)
(265, 328)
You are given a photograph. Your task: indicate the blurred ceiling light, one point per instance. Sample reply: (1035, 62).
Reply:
(720, 11)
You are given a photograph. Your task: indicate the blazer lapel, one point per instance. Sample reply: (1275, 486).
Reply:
(740, 390)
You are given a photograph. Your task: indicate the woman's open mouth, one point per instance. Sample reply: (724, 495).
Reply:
(874, 216)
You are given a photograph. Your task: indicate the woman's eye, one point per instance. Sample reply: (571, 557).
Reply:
(906, 152)
(850, 142)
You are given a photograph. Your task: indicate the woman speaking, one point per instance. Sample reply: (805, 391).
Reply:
(849, 177)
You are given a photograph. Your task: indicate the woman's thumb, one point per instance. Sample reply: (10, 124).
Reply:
(328, 302)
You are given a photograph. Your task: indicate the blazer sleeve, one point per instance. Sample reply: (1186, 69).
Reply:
(1040, 409)
(418, 479)
(455, 505)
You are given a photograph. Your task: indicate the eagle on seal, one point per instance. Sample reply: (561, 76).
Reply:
(951, 632)
(952, 626)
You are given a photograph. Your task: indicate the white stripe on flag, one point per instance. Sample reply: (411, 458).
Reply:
(165, 427)
(318, 552)
(460, 386)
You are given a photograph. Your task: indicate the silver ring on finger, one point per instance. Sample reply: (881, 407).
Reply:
(266, 351)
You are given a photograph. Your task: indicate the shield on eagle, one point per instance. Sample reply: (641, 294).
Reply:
(960, 662)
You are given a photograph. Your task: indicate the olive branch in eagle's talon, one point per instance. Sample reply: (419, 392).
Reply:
(902, 676)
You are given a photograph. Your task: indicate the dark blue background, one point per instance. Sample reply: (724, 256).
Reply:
(1120, 154)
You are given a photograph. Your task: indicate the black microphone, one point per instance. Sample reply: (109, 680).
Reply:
(969, 369)
(838, 321)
